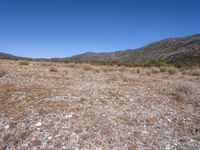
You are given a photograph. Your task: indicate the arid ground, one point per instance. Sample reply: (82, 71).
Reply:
(47, 105)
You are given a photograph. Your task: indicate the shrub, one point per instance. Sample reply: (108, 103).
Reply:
(138, 71)
(87, 67)
(179, 64)
(183, 91)
(25, 63)
(184, 72)
(148, 73)
(53, 70)
(97, 70)
(71, 65)
(172, 70)
(195, 73)
(2, 73)
(155, 70)
(155, 63)
(163, 69)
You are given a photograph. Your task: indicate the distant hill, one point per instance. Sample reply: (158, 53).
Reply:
(9, 56)
(171, 50)
(182, 49)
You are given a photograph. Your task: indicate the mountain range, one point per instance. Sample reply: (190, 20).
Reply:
(170, 49)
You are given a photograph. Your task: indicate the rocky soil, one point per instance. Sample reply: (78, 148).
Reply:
(68, 106)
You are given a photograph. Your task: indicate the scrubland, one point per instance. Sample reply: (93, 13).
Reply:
(46, 105)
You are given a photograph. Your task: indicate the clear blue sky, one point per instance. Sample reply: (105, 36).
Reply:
(59, 28)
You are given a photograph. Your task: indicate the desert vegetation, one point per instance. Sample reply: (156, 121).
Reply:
(59, 105)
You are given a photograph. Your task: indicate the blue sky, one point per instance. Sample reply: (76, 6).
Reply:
(60, 28)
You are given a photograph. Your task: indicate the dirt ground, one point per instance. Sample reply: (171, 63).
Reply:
(48, 106)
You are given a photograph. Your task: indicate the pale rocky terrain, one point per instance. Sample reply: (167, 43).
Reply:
(77, 106)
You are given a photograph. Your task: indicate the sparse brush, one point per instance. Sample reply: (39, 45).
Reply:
(2, 73)
(25, 63)
(53, 70)
(71, 65)
(183, 91)
(105, 69)
(163, 69)
(122, 69)
(87, 67)
(45, 64)
(155, 70)
(96, 70)
(172, 70)
(148, 73)
(184, 72)
(36, 142)
(195, 73)
(138, 71)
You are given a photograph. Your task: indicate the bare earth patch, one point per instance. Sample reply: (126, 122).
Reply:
(71, 106)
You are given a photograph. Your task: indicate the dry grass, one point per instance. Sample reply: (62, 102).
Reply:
(97, 107)
(87, 67)
(172, 71)
(52, 69)
(163, 69)
(2, 73)
(155, 70)
(195, 73)
(138, 71)
(185, 91)
(24, 63)
(36, 142)
(132, 147)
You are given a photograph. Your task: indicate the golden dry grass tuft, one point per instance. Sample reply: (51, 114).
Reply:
(155, 70)
(24, 63)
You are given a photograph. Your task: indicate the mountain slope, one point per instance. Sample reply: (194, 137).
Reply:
(170, 49)
(8, 56)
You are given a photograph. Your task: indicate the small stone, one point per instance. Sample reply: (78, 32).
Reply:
(50, 137)
(64, 147)
(39, 124)
(68, 116)
(7, 127)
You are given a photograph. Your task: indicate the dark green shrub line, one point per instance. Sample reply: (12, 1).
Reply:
(151, 63)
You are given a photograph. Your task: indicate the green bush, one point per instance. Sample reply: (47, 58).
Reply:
(155, 63)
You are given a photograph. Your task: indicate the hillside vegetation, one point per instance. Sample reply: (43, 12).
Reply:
(184, 49)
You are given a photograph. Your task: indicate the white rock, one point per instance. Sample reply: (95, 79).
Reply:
(68, 116)
(50, 137)
(39, 124)
(7, 127)
(64, 147)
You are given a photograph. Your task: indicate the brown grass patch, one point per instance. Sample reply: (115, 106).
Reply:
(195, 73)
(87, 67)
(24, 63)
(2, 73)
(155, 70)
(53, 69)
(36, 142)
(183, 91)
(172, 70)
(106, 131)
(163, 69)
